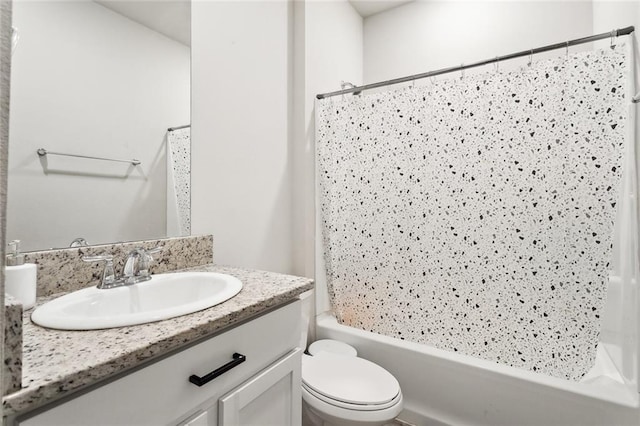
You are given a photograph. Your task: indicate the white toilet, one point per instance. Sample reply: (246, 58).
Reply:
(340, 389)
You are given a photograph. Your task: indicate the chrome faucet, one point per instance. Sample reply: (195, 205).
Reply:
(136, 268)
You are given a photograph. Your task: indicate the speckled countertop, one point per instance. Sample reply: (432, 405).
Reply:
(56, 363)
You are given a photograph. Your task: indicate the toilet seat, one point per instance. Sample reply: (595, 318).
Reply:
(351, 407)
(349, 382)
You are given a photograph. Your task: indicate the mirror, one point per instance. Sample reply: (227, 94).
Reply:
(100, 79)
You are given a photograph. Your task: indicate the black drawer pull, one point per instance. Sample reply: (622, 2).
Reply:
(199, 381)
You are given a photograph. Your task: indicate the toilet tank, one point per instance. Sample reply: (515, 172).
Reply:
(308, 323)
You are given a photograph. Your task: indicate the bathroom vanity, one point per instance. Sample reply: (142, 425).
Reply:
(150, 374)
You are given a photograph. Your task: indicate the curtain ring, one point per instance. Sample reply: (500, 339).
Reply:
(496, 64)
(347, 85)
(530, 58)
(461, 71)
(344, 85)
(613, 35)
(567, 49)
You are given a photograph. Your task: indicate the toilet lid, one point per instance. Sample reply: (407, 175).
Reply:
(333, 346)
(349, 379)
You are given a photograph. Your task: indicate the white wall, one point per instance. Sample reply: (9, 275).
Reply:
(252, 125)
(428, 35)
(330, 52)
(609, 15)
(86, 80)
(241, 101)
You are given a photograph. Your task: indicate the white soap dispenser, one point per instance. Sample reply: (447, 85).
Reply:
(19, 277)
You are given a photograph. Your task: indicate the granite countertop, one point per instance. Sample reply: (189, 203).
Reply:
(56, 363)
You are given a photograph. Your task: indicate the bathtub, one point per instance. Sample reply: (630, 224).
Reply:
(446, 388)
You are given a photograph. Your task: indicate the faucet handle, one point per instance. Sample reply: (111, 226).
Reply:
(108, 274)
(155, 250)
(147, 258)
(98, 258)
(136, 267)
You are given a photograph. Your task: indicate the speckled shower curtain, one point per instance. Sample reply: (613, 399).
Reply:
(179, 181)
(476, 215)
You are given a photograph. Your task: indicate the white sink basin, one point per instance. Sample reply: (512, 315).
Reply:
(164, 296)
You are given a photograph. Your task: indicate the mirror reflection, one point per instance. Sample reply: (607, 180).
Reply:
(106, 79)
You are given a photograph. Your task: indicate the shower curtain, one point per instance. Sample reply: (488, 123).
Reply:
(179, 182)
(476, 214)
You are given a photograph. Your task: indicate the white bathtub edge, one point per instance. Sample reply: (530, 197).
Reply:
(604, 389)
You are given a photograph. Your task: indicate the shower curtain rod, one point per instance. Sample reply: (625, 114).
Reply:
(530, 52)
(170, 129)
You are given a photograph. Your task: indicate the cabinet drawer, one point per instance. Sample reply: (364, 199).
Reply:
(161, 394)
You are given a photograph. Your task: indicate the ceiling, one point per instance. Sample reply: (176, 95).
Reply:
(173, 17)
(367, 8)
(169, 17)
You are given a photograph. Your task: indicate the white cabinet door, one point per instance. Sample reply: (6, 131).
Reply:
(201, 419)
(271, 397)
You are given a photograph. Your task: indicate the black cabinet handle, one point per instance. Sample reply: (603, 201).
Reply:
(199, 381)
